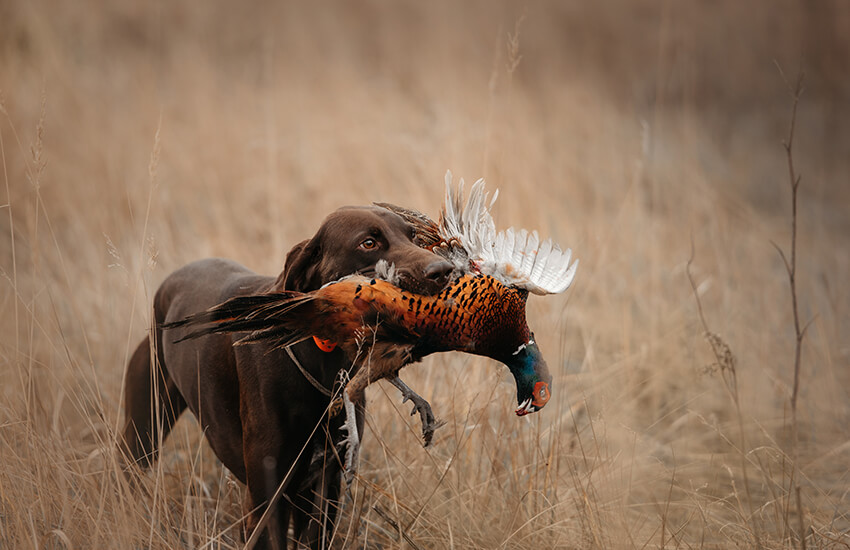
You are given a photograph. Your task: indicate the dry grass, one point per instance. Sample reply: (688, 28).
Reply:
(138, 137)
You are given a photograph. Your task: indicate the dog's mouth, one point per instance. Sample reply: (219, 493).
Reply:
(408, 282)
(404, 279)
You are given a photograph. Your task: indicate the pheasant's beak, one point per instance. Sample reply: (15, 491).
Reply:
(536, 402)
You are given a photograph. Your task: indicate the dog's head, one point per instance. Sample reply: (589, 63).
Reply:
(353, 240)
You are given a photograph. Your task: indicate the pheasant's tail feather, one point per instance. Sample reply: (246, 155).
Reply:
(277, 337)
(254, 314)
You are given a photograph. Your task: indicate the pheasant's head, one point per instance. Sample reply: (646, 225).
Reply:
(532, 378)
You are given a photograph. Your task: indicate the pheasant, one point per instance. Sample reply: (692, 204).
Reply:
(383, 328)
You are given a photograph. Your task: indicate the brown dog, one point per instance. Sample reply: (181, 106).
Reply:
(255, 404)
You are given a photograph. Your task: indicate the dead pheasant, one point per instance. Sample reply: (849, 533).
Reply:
(383, 328)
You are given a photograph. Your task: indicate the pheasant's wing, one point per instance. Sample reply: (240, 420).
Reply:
(471, 223)
(518, 258)
(427, 232)
(515, 258)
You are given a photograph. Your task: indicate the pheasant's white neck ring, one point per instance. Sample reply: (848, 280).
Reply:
(522, 347)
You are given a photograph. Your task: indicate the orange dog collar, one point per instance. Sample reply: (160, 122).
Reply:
(324, 345)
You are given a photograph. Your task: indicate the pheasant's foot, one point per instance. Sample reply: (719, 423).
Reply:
(420, 405)
(352, 441)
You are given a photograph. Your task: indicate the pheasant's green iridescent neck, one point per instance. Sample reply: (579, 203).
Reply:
(532, 378)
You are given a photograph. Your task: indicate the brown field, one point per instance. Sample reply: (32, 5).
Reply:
(136, 137)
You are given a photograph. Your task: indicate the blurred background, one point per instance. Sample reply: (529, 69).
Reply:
(139, 136)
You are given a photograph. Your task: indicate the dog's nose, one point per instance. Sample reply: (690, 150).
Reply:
(437, 273)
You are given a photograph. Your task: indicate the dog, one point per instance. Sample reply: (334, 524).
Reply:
(259, 407)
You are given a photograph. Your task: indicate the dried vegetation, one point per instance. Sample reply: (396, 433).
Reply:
(647, 136)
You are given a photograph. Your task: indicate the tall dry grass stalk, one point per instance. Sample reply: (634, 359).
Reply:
(799, 332)
(134, 139)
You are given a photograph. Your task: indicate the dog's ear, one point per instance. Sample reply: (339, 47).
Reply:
(301, 271)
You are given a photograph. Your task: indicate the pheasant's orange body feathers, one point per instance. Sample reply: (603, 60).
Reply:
(476, 313)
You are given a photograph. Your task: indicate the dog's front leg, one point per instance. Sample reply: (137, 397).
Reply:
(420, 405)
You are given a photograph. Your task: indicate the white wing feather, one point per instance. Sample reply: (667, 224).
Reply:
(541, 260)
(515, 258)
(529, 254)
(472, 224)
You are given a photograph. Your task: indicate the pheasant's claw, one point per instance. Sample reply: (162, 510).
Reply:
(428, 430)
(352, 440)
(420, 405)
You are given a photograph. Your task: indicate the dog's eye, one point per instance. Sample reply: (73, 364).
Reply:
(369, 244)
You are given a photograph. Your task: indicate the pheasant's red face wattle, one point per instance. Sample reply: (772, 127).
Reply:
(541, 394)
(539, 398)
